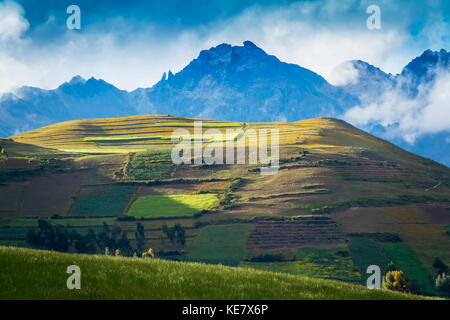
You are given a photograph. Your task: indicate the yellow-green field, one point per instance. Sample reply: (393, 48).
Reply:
(178, 205)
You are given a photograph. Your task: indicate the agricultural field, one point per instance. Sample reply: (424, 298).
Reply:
(225, 244)
(179, 205)
(314, 262)
(148, 165)
(366, 252)
(294, 233)
(405, 259)
(103, 201)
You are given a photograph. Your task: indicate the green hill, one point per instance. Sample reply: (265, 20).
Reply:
(35, 274)
(342, 199)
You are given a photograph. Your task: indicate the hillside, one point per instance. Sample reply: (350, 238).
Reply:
(342, 199)
(31, 274)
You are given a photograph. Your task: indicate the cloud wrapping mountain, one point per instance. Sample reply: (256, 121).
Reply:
(411, 109)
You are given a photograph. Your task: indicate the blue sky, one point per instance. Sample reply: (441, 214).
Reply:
(131, 43)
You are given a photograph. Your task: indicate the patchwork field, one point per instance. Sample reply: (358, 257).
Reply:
(341, 200)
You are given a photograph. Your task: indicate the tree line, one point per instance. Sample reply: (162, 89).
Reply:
(66, 239)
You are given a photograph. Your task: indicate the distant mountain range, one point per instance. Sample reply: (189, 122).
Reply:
(411, 88)
(237, 83)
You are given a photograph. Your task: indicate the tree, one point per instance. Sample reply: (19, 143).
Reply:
(140, 229)
(169, 232)
(46, 235)
(443, 284)
(175, 234)
(91, 241)
(116, 232)
(3, 152)
(81, 244)
(113, 241)
(62, 241)
(32, 238)
(140, 236)
(440, 266)
(397, 281)
(417, 287)
(391, 267)
(124, 244)
(180, 234)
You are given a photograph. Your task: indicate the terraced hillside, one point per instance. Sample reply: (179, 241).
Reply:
(339, 195)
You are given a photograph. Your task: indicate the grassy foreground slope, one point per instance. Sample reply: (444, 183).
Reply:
(34, 274)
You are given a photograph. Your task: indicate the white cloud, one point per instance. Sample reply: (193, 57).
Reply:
(344, 74)
(13, 25)
(12, 22)
(294, 33)
(407, 117)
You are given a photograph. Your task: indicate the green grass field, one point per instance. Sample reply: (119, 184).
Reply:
(108, 201)
(35, 274)
(367, 252)
(178, 205)
(224, 244)
(405, 259)
(320, 263)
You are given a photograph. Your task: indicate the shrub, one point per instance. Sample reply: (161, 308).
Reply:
(126, 218)
(397, 281)
(443, 284)
(268, 258)
(440, 266)
(391, 267)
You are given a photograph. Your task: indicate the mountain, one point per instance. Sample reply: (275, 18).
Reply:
(243, 83)
(412, 87)
(369, 83)
(237, 83)
(423, 70)
(29, 108)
